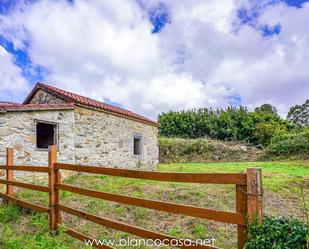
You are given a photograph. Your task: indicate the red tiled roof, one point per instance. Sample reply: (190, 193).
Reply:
(85, 101)
(16, 106)
(5, 103)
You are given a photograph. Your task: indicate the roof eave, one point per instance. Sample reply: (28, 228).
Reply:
(31, 94)
(42, 87)
(19, 109)
(119, 115)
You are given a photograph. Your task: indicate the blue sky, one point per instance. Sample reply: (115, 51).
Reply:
(199, 50)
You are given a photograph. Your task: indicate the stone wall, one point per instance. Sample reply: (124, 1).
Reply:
(107, 140)
(85, 136)
(42, 97)
(17, 130)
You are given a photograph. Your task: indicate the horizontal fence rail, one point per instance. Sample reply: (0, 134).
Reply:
(212, 178)
(248, 197)
(144, 233)
(26, 185)
(10, 182)
(26, 204)
(26, 168)
(84, 238)
(160, 205)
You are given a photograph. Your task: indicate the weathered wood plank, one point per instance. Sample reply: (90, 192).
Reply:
(123, 227)
(255, 193)
(52, 159)
(26, 168)
(209, 214)
(9, 173)
(213, 178)
(84, 238)
(241, 208)
(57, 198)
(26, 204)
(26, 185)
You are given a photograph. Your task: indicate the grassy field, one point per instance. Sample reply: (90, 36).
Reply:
(282, 182)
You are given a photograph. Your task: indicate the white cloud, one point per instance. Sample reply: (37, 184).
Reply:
(259, 69)
(11, 79)
(105, 50)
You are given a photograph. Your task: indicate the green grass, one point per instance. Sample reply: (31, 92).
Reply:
(276, 175)
(292, 168)
(282, 182)
(21, 230)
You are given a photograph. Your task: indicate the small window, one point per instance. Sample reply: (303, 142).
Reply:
(137, 146)
(45, 135)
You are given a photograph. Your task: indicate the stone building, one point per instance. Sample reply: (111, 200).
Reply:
(86, 131)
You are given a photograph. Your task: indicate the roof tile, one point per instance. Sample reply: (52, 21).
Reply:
(82, 100)
(6, 103)
(16, 106)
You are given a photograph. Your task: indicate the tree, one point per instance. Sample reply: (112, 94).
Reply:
(233, 123)
(299, 114)
(265, 131)
(267, 109)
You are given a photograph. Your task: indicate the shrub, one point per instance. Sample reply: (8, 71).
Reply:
(264, 132)
(256, 127)
(178, 147)
(287, 144)
(277, 233)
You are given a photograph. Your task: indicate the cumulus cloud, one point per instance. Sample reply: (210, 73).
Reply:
(257, 68)
(11, 80)
(205, 55)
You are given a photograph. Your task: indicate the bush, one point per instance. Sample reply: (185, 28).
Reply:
(181, 150)
(178, 147)
(264, 132)
(256, 127)
(288, 144)
(277, 233)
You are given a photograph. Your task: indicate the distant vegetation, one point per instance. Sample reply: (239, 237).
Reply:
(263, 127)
(203, 150)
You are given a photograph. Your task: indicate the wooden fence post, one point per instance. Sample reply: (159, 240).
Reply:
(241, 208)
(9, 173)
(52, 159)
(57, 198)
(255, 193)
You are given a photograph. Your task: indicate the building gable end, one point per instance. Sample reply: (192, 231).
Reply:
(43, 97)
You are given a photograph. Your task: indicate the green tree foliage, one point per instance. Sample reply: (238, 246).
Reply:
(264, 132)
(256, 127)
(268, 109)
(299, 114)
(290, 143)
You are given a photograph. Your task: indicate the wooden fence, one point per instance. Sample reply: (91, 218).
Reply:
(248, 196)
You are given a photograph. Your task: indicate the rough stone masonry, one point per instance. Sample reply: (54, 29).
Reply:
(86, 131)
